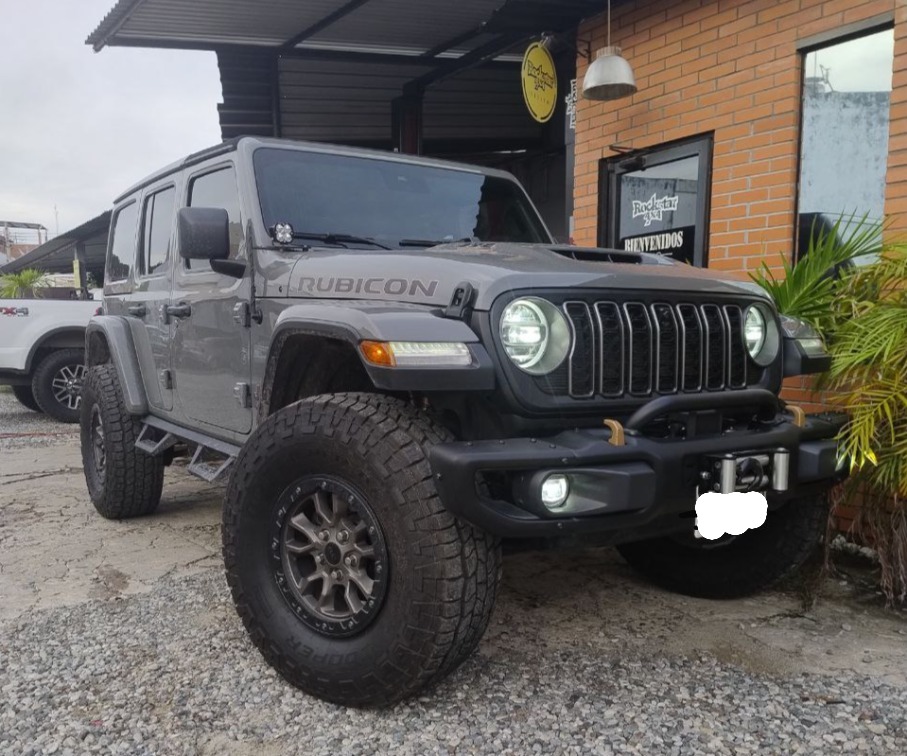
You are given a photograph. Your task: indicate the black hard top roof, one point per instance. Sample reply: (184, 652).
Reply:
(231, 145)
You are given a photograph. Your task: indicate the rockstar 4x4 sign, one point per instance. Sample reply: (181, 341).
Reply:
(539, 82)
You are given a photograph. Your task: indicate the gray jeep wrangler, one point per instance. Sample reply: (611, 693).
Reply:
(396, 367)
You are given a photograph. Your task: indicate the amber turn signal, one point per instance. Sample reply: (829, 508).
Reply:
(378, 353)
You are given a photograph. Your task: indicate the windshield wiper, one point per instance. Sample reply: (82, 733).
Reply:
(342, 239)
(434, 242)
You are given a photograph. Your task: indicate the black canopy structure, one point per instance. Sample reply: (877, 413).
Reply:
(88, 242)
(422, 76)
(359, 71)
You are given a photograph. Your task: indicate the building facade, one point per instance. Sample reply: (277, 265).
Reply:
(754, 120)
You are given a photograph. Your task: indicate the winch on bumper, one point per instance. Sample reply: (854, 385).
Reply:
(627, 488)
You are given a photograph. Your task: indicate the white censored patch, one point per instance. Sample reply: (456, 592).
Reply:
(733, 513)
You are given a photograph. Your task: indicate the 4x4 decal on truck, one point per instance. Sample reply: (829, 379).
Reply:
(14, 312)
(394, 287)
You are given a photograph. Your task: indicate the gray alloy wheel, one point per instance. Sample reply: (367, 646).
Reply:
(57, 384)
(67, 386)
(352, 579)
(333, 556)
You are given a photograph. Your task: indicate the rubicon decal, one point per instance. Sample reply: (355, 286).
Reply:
(14, 312)
(392, 287)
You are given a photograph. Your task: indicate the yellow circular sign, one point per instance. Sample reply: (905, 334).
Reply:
(539, 82)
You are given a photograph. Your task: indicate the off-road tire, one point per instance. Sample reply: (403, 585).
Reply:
(43, 379)
(26, 397)
(749, 563)
(442, 577)
(130, 482)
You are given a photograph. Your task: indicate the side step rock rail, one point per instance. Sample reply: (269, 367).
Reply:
(211, 458)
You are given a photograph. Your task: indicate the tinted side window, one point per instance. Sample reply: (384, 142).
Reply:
(218, 189)
(122, 241)
(156, 234)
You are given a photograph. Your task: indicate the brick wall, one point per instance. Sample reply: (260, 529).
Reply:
(730, 67)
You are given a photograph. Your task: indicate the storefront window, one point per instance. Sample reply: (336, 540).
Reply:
(844, 148)
(657, 200)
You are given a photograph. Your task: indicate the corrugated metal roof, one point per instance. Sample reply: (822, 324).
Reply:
(329, 70)
(208, 22)
(412, 26)
(403, 24)
(56, 255)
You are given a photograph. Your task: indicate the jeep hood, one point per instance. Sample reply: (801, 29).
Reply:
(429, 276)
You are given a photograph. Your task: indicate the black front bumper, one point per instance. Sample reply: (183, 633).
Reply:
(645, 488)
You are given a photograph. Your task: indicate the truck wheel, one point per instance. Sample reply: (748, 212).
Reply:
(57, 384)
(122, 481)
(26, 397)
(350, 576)
(734, 566)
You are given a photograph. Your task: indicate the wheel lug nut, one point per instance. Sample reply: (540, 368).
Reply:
(324, 535)
(337, 575)
(321, 559)
(343, 536)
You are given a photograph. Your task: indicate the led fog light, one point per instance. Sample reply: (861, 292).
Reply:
(555, 490)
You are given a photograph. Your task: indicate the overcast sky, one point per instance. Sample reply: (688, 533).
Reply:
(78, 127)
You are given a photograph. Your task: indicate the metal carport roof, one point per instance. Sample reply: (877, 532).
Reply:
(431, 28)
(56, 255)
(329, 70)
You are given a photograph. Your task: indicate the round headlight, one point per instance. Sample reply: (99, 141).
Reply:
(754, 331)
(535, 335)
(760, 335)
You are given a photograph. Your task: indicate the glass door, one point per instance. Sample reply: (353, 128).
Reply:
(657, 201)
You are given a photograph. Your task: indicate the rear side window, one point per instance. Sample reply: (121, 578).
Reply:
(158, 220)
(218, 189)
(122, 243)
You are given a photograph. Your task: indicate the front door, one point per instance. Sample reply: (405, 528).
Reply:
(657, 200)
(210, 354)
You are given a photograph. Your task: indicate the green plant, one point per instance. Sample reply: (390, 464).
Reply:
(869, 367)
(22, 284)
(868, 378)
(862, 312)
(807, 288)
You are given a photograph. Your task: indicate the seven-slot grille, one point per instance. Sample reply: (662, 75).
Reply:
(641, 349)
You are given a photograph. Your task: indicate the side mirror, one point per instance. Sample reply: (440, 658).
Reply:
(204, 233)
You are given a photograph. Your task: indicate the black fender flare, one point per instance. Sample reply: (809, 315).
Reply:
(121, 350)
(353, 324)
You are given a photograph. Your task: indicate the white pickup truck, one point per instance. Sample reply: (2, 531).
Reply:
(42, 352)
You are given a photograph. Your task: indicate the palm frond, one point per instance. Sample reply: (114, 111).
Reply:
(807, 289)
(25, 283)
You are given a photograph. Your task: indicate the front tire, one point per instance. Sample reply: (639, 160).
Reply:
(742, 565)
(122, 481)
(26, 397)
(340, 476)
(57, 384)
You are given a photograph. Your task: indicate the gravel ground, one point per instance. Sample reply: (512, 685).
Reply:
(120, 638)
(173, 673)
(20, 427)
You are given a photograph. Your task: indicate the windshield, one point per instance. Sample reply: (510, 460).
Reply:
(394, 204)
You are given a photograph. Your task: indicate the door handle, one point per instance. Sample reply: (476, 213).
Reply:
(138, 311)
(181, 310)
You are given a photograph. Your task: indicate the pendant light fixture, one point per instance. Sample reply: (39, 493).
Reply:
(609, 76)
